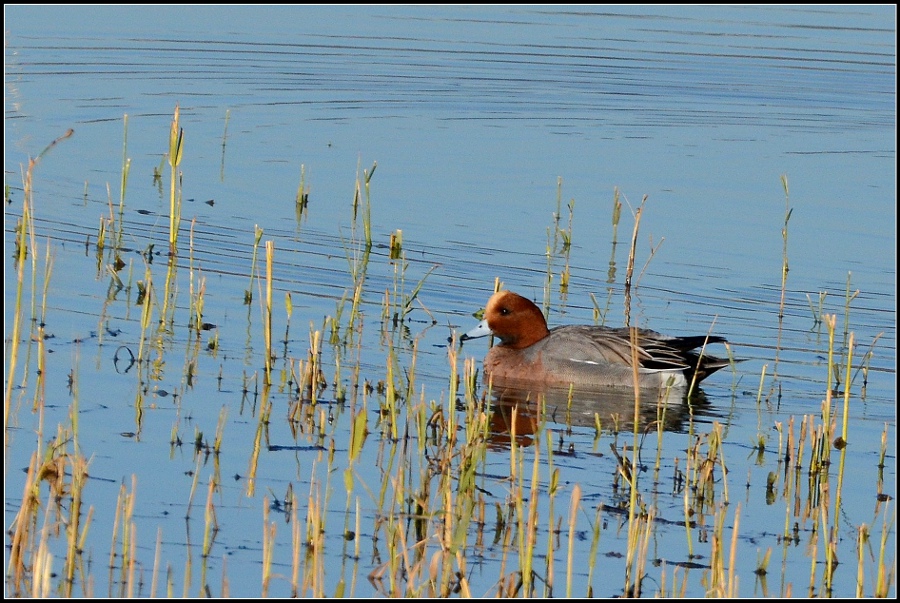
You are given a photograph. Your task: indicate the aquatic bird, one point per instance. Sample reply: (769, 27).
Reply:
(529, 352)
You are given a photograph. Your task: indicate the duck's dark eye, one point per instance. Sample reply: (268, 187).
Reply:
(504, 311)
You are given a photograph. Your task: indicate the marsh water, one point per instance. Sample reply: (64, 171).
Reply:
(760, 136)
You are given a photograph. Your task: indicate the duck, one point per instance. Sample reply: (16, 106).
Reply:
(528, 352)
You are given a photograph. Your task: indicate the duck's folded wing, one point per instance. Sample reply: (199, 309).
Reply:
(656, 352)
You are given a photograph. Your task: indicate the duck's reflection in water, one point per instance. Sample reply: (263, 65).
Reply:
(518, 411)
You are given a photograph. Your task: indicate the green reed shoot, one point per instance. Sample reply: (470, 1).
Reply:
(257, 237)
(396, 246)
(566, 250)
(123, 185)
(864, 365)
(101, 242)
(848, 297)
(557, 215)
(367, 207)
(288, 311)
(267, 310)
(399, 304)
(176, 149)
(785, 268)
(629, 270)
(367, 210)
(832, 378)
(359, 262)
(196, 296)
(817, 310)
(559, 245)
(358, 253)
(616, 216)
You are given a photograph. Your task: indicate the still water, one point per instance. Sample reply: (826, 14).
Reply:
(482, 122)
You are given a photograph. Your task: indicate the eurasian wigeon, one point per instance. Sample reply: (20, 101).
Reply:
(584, 355)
